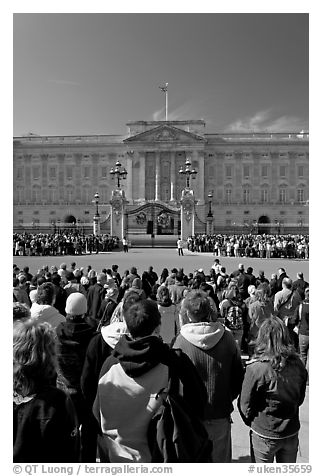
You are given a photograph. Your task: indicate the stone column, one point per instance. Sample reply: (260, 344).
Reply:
(78, 163)
(201, 178)
(61, 176)
(129, 178)
(172, 176)
(157, 175)
(27, 159)
(142, 177)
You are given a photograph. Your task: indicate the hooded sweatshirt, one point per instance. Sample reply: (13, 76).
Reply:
(99, 348)
(46, 313)
(127, 395)
(214, 353)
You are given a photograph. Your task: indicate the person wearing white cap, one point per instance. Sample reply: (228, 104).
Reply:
(73, 337)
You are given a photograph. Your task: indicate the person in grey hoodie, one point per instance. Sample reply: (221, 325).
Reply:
(213, 351)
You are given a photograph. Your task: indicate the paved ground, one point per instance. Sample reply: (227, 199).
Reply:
(164, 258)
(168, 258)
(240, 435)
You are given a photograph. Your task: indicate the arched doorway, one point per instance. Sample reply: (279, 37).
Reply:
(263, 225)
(70, 219)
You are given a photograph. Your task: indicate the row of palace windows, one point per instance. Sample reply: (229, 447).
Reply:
(264, 171)
(265, 195)
(104, 171)
(52, 194)
(70, 174)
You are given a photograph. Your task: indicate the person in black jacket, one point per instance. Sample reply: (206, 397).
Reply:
(45, 427)
(95, 296)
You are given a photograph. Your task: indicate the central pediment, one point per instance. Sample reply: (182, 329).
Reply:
(167, 134)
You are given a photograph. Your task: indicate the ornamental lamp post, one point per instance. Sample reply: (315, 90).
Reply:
(210, 196)
(188, 172)
(118, 172)
(96, 218)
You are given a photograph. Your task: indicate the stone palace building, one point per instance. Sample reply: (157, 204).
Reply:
(256, 182)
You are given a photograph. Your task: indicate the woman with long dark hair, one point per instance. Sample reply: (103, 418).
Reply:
(272, 392)
(44, 419)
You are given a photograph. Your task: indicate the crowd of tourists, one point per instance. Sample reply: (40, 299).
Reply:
(251, 245)
(100, 356)
(64, 242)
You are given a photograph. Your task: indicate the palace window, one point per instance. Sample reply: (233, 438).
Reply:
(264, 171)
(300, 195)
(35, 194)
(282, 195)
(229, 172)
(228, 195)
(19, 175)
(300, 171)
(86, 172)
(35, 172)
(264, 195)
(246, 170)
(282, 171)
(104, 172)
(69, 194)
(52, 173)
(69, 172)
(246, 195)
(86, 195)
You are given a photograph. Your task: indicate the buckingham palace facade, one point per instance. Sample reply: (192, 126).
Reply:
(247, 181)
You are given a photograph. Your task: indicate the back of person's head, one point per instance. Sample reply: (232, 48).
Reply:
(63, 266)
(163, 295)
(114, 267)
(179, 277)
(249, 270)
(22, 278)
(45, 294)
(76, 306)
(130, 298)
(137, 283)
(34, 357)
(206, 287)
(41, 281)
(26, 269)
(55, 279)
(20, 311)
(281, 271)
(273, 341)
(300, 275)
(287, 283)
(133, 270)
(261, 273)
(196, 305)
(261, 294)
(142, 318)
(70, 276)
(101, 278)
(15, 282)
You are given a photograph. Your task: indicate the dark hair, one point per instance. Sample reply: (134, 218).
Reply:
(131, 298)
(197, 306)
(41, 281)
(142, 318)
(273, 342)
(114, 267)
(55, 278)
(163, 296)
(45, 294)
(34, 357)
(15, 282)
(207, 287)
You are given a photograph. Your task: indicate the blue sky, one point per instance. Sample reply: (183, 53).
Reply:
(91, 73)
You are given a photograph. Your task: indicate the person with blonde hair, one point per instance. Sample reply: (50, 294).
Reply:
(44, 418)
